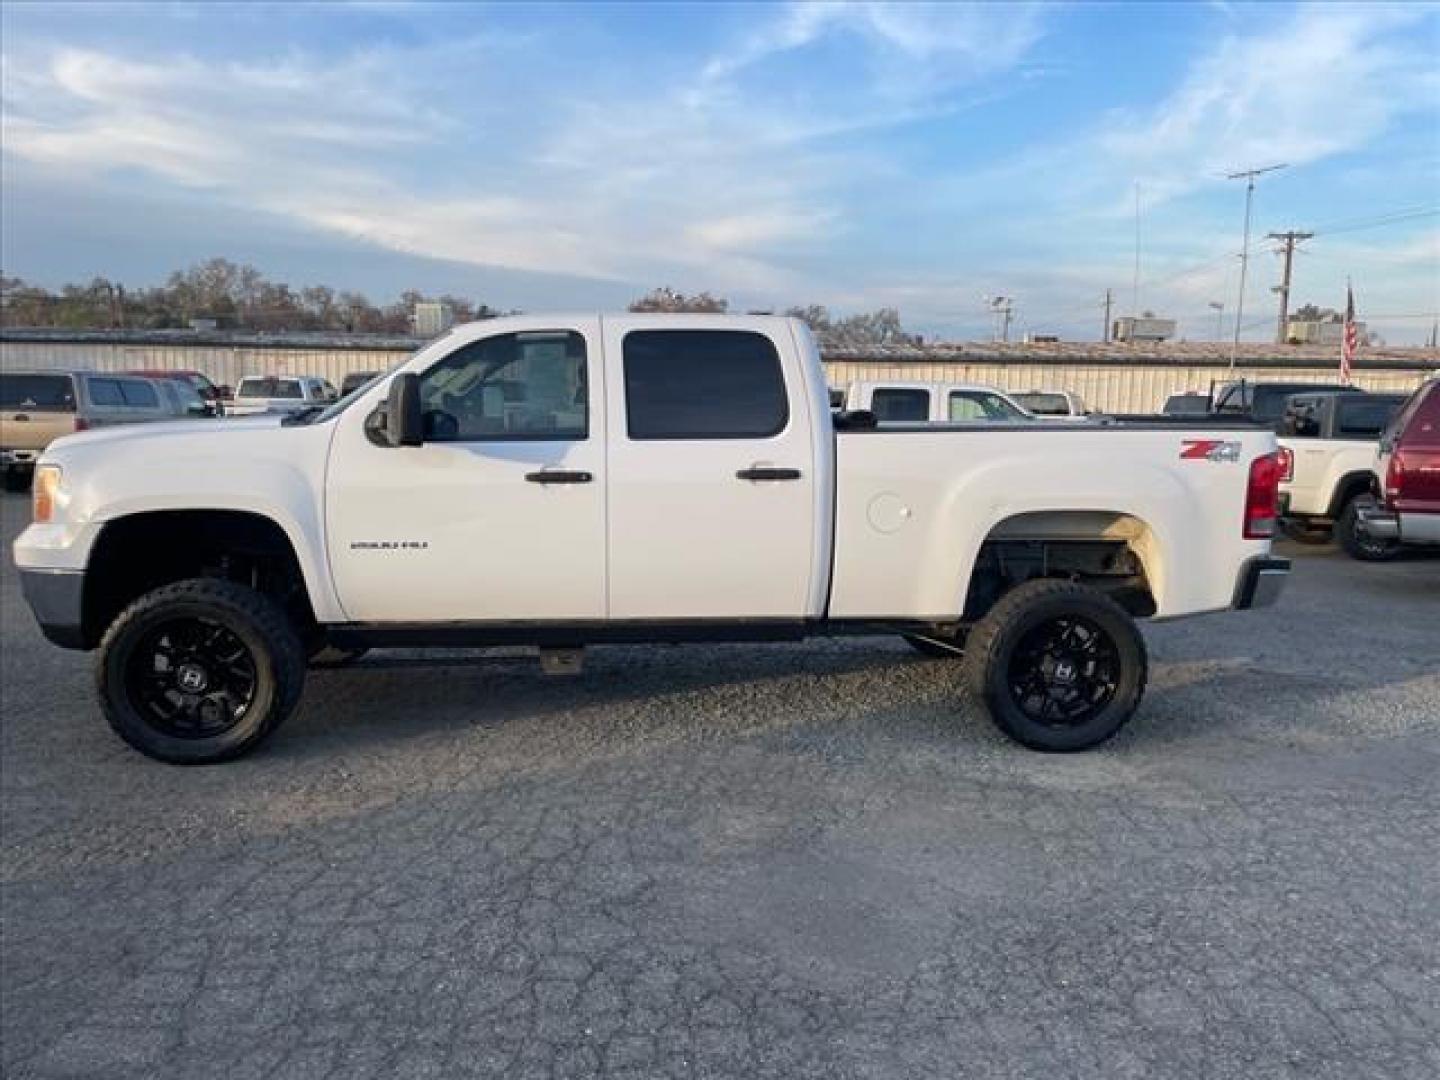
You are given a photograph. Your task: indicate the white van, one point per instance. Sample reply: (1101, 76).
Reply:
(897, 400)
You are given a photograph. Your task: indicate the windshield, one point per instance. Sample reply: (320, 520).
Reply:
(42, 393)
(982, 405)
(1044, 404)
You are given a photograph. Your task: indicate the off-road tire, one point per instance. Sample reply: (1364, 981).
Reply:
(272, 649)
(1025, 609)
(1356, 544)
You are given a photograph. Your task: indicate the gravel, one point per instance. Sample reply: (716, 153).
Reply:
(752, 861)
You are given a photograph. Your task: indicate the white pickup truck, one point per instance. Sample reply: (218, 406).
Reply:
(1328, 444)
(564, 481)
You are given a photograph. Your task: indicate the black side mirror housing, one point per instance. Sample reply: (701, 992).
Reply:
(404, 421)
(398, 420)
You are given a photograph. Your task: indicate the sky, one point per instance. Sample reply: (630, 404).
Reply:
(923, 157)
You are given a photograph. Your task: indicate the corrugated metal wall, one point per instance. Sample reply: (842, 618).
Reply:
(1134, 387)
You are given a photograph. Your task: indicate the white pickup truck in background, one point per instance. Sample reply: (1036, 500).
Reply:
(280, 394)
(562, 481)
(899, 401)
(1328, 444)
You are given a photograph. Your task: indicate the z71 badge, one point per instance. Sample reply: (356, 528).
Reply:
(1209, 450)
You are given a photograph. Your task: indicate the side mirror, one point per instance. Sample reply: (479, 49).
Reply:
(404, 420)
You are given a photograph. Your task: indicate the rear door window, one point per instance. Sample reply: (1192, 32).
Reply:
(37, 393)
(895, 403)
(703, 384)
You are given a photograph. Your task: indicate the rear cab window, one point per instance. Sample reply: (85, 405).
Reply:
(703, 384)
(900, 404)
(37, 393)
(1361, 417)
(1422, 425)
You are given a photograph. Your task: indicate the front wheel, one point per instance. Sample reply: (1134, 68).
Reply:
(1059, 666)
(1356, 542)
(199, 671)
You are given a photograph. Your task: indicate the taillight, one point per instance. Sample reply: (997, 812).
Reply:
(81, 424)
(1262, 497)
(1287, 463)
(1393, 471)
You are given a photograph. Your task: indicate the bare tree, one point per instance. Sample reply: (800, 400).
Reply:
(667, 299)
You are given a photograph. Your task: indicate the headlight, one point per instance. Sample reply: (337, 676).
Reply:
(44, 490)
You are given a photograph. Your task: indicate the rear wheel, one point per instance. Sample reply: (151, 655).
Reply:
(1059, 666)
(199, 671)
(1359, 544)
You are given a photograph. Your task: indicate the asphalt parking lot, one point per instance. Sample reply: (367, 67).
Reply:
(780, 861)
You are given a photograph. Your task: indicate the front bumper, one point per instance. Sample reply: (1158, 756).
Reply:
(1261, 580)
(57, 599)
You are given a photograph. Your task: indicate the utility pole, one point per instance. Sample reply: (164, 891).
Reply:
(1289, 239)
(1248, 175)
(1105, 330)
(1218, 306)
(1135, 283)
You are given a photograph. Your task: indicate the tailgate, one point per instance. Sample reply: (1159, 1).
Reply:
(33, 429)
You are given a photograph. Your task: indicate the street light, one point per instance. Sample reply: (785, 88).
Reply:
(1248, 175)
(1218, 306)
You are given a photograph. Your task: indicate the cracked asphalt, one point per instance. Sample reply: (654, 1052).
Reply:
(800, 860)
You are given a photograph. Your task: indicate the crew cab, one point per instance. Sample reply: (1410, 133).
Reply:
(907, 401)
(1405, 481)
(564, 481)
(1327, 448)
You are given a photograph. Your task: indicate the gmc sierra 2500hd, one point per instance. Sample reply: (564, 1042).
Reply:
(562, 481)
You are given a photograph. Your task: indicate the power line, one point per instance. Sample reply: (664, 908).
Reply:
(1248, 175)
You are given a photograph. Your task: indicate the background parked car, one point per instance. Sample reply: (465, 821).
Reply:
(37, 407)
(279, 393)
(213, 395)
(1328, 442)
(355, 380)
(899, 400)
(1052, 404)
(1406, 477)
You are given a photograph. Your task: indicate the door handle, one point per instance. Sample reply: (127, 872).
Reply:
(759, 473)
(558, 476)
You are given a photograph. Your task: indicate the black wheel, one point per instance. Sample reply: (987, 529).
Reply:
(1302, 532)
(949, 646)
(199, 671)
(1060, 666)
(331, 656)
(1357, 543)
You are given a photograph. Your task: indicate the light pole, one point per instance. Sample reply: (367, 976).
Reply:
(1218, 306)
(1248, 175)
(1001, 308)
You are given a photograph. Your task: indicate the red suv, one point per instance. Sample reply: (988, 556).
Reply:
(1406, 508)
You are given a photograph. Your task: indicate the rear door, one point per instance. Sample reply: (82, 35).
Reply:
(34, 411)
(712, 473)
(1417, 469)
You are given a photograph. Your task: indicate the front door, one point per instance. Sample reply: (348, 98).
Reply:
(500, 515)
(712, 474)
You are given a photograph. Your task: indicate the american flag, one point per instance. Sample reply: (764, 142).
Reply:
(1351, 340)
